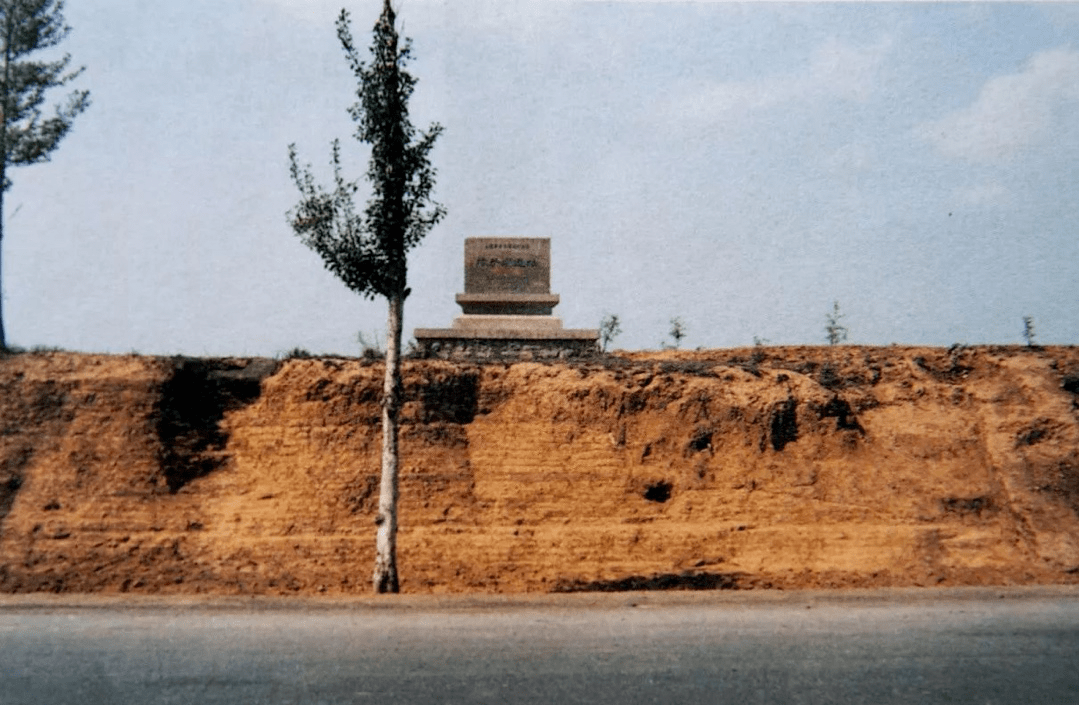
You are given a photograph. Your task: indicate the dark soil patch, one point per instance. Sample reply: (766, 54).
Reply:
(686, 580)
(451, 398)
(658, 492)
(840, 410)
(967, 505)
(783, 424)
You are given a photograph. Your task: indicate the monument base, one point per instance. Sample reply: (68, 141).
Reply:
(500, 340)
(512, 326)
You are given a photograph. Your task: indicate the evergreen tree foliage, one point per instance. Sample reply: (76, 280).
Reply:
(26, 136)
(368, 250)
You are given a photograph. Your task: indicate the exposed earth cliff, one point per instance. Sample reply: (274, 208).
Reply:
(769, 467)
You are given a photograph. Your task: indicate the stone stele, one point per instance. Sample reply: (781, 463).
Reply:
(506, 306)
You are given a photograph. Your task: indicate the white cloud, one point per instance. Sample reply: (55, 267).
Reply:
(1012, 112)
(986, 194)
(852, 158)
(845, 72)
(833, 71)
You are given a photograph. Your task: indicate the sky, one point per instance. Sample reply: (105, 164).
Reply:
(741, 166)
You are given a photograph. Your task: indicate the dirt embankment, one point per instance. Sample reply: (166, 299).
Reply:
(781, 467)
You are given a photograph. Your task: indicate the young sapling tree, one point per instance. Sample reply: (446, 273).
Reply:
(609, 328)
(368, 250)
(1028, 330)
(835, 331)
(677, 332)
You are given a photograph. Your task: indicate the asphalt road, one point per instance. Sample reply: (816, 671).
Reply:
(898, 646)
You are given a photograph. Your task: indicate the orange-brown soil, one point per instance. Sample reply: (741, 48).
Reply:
(781, 467)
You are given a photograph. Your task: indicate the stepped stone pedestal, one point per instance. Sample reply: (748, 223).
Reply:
(507, 307)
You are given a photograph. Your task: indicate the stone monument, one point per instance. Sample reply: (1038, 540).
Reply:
(506, 307)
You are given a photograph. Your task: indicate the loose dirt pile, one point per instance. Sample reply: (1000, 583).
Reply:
(770, 467)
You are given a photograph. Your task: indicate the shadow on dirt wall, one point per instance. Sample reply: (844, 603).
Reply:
(686, 580)
(448, 398)
(193, 400)
(29, 413)
(10, 482)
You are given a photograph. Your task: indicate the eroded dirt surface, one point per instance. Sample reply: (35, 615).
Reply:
(769, 467)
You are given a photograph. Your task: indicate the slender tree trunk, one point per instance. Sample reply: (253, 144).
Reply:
(385, 576)
(3, 339)
(5, 95)
(4, 91)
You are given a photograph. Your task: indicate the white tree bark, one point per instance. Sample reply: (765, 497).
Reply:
(385, 575)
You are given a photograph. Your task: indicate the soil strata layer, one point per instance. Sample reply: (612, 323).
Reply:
(781, 467)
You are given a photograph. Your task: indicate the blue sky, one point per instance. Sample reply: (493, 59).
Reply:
(741, 166)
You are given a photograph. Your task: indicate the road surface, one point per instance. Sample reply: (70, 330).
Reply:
(896, 646)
